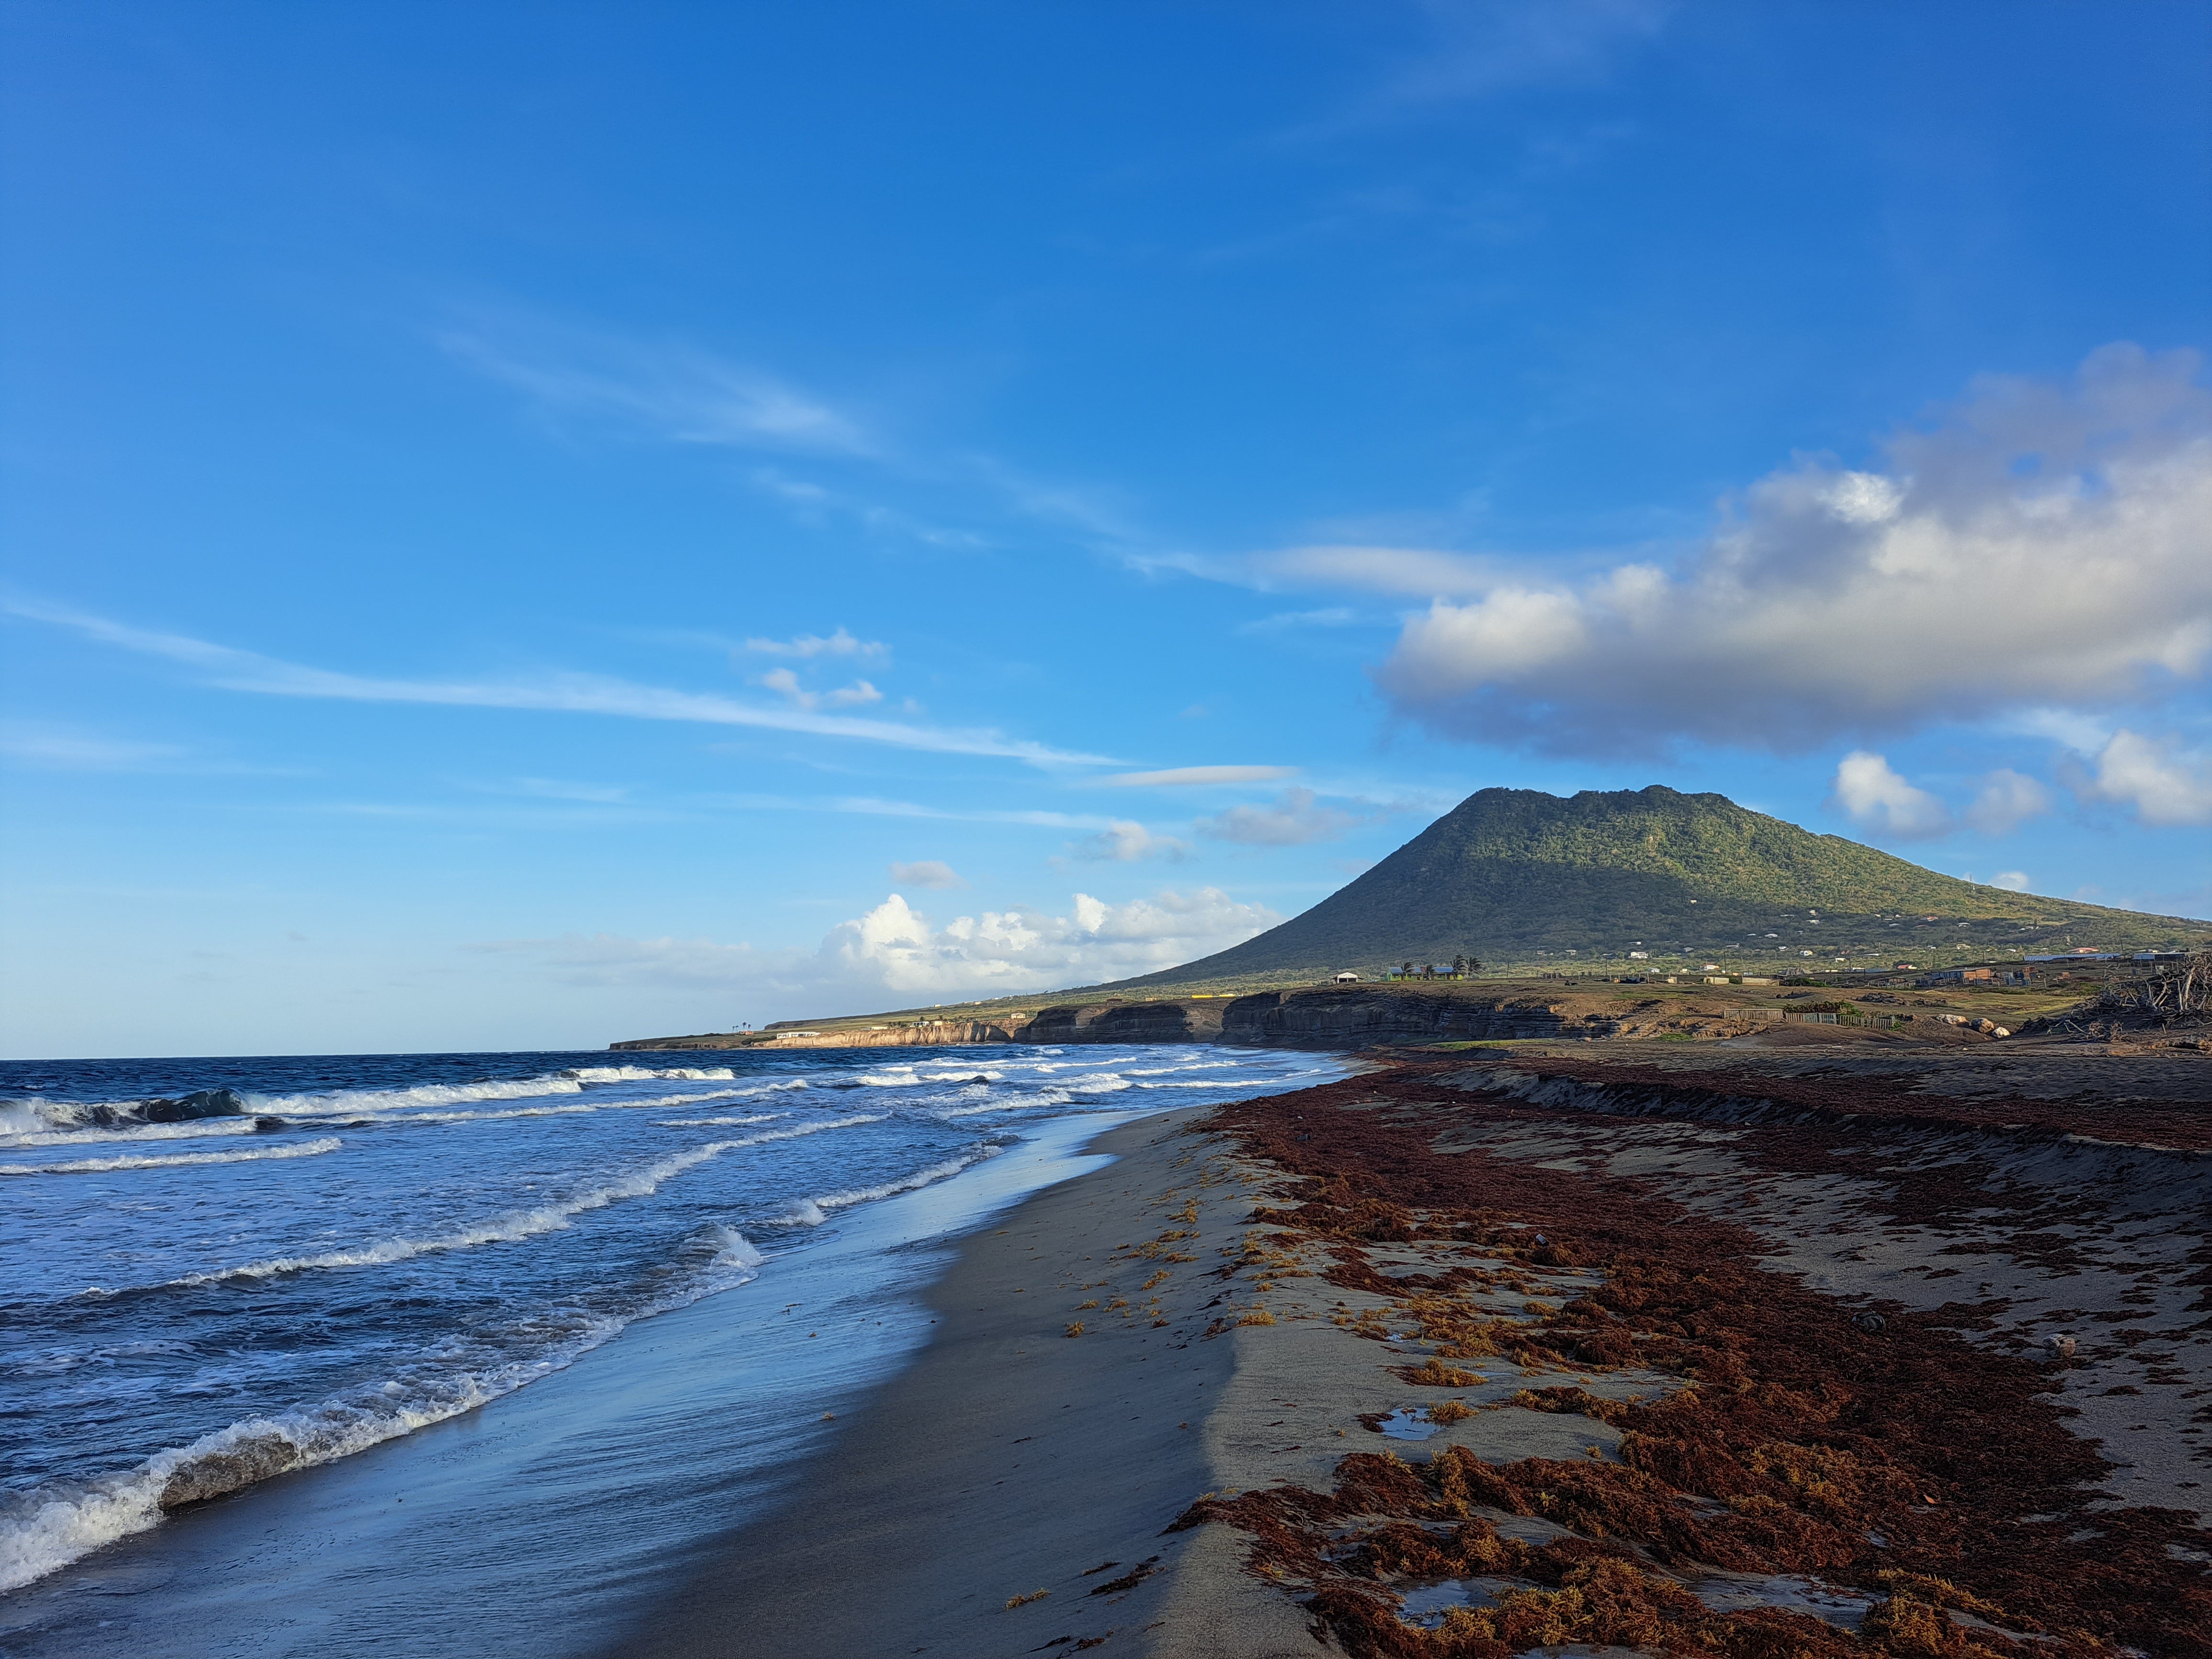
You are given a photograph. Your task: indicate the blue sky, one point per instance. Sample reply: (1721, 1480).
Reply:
(531, 524)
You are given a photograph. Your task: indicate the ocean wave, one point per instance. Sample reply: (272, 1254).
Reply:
(649, 1073)
(21, 1129)
(175, 1160)
(658, 1102)
(1204, 1083)
(352, 1103)
(516, 1224)
(47, 1527)
(928, 1177)
(1098, 1083)
(716, 1123)
(1195, 1065)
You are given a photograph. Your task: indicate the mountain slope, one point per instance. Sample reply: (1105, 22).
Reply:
(1520, 877)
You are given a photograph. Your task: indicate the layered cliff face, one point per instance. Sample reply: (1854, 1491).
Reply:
(1326, 1017)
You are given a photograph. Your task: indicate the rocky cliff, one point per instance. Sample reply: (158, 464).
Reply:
(1324, 1016)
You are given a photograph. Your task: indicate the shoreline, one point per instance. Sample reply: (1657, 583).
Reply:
(1184, 1487)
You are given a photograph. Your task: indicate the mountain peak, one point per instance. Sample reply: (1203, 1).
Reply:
(1528, 878)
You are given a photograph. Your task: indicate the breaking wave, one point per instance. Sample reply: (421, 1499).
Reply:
(50, 1526)
(175, 1160)
(516, 1224)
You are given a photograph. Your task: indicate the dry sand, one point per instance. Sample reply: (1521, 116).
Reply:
(1016, 1461)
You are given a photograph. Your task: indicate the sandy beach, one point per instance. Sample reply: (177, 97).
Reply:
(1745, 1351)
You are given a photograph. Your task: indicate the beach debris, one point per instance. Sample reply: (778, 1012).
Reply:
(1074, 1328)
(1092, 1572)
(1131, 1579)
(829, 1416)
(1869, 1322)
(2063, 1347)
(1013, 1602)
(1433, 1373)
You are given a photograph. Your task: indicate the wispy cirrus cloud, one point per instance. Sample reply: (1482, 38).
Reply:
(232, 670)
(668, 391)
(1182, 777)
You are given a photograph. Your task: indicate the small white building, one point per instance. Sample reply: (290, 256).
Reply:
(1347, 978)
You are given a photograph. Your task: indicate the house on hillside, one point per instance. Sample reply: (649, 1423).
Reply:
(1347, 978)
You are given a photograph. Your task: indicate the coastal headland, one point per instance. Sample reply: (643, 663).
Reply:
(1846, 1346)
(1897, 1007)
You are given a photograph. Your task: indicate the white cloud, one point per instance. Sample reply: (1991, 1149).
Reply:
(1479, 50)
(1877, 797)
(1182, 776)
(927, 873)
(2165, 783)
(847, 696)
(1124, 842)
(2013, 881)
(1336, 616)
(1293, 820)
(669, 392)
(2038, 544)
(810, 646)
(1021, 949)
(894, 953)
(563, 693)
(2006, 799)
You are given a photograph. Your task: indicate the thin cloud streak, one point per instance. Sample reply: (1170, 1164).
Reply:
(232, 670)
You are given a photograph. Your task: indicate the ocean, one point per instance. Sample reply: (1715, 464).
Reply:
(551, 1300)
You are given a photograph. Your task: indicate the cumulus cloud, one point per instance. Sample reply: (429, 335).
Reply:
(895, 952)
(2013, 881)
(1183, 776)
(859, 692)
(2034, 544)
(810, 646)
(1878, 797)
(927, 873)
(2006, 799)
(1124, 842)
(1023, 949)
(1294, 819)
(2165, 783)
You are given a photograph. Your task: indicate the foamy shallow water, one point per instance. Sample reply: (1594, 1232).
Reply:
(430, 1234)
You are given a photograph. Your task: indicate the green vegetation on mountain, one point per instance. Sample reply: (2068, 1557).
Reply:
(1520, 878)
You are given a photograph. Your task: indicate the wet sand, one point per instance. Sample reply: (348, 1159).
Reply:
(1723, 1299)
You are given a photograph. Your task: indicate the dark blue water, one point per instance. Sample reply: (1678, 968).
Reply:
(377, 1244)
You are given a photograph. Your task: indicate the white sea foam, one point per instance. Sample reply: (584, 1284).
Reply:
(717, 1123)
(658, 1103)
(516, 1224)
(930, 1177)
(175, 1160)
(14, 1133)
(801, 1212)
(648, 1073)
(352, 1102)
(1195, 1065)
(46, 1528)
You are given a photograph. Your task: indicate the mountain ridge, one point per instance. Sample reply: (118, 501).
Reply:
(1524, 877)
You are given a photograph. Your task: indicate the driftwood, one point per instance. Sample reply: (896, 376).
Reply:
(2175, 993)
